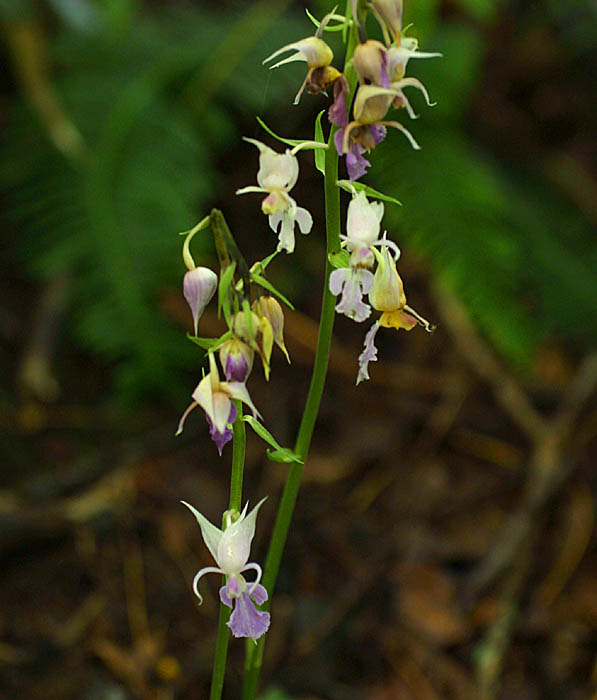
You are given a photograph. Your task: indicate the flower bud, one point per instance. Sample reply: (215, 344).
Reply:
(236, 358)
(390, 12)
(369, 63)
(269, 308)
(387, 291)
(257, 333)
(199, 286)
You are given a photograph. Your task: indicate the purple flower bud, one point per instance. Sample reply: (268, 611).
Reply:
(199, 286)
(236, 358)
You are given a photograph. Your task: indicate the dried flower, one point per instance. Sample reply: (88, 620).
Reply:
(230, 549)
(318, 56)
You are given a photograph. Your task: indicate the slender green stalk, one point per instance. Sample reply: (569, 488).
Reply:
(303, 441)
(254, 651)
(236, 489)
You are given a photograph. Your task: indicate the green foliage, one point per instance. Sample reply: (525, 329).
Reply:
(153, 106)
(279, 453)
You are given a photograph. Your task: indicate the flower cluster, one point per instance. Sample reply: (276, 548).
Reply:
(384, 288)
(381, 75)
(381, 72)
(365, 277)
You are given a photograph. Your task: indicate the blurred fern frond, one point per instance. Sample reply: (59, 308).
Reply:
(110, 219)
(518, 255)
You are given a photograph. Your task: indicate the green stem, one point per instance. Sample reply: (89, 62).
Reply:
(254, 651)
(303, 441)
(236, 489)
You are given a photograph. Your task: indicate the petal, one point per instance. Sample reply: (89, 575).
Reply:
(397, 319)
(235, 545)
(211, 534)
(246, 620)
(406, 132)
(378, 133)
(413, 82)
(238, 390)
(365, 279)
(274, 220)
(277, 171)
(259, 594)
(369, 353)
(356, 164)
(221, 411)
(224, 597)
(339, 140)
(286, 235)
(337, 113)
(203, 395)
(352, 304)
(183, 418)
(222, 438)
(337, 279)
(304, 220)
(250, 188)
(363, 219)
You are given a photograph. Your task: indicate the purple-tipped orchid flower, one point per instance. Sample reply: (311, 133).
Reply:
(230, 549)
(215, 398)
(277, 175)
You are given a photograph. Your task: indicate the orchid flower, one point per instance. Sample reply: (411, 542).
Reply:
(230, 549)
(363, 224)
(353, 282)
(277, 175)
(215, 398)
(387, 295)
(318, 57)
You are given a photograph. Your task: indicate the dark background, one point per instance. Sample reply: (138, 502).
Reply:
(442, 545)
